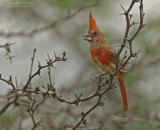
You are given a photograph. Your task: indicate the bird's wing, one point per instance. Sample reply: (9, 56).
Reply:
(112, 54)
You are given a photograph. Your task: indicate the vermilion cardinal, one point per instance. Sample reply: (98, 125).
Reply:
(103, 55)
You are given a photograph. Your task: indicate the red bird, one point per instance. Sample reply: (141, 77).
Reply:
(103, 55)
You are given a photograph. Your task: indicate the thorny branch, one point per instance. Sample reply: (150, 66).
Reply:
(126, 36)
(8, 50)
(49, 63)
(27, 92)
(125, 62)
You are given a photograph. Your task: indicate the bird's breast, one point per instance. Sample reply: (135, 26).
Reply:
(100, 56)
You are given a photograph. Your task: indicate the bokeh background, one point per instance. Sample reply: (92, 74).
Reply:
(46, 27)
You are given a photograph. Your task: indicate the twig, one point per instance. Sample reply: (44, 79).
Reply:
(8, 50)
(9, 82)
(32, 60)
(5, 107)
(49, 63)
(128, 26)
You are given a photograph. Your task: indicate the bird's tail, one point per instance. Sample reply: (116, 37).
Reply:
(123, 91)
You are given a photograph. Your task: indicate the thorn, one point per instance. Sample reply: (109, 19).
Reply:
(55, 55)
(101, 105)
(64, 54)
(121, 14)
(53, 66)
(10, 44)
(130, 16)
(123, 8)
(82, 113)
(106, 81)
(80, 94)
(77, 98)
(10, 78)
(34, 50)
(136, 53)
(76, 95)
(104, 96)
(79, 104)
(84, 121)
(48, 56)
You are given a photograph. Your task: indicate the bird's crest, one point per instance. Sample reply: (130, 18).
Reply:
(92, 22)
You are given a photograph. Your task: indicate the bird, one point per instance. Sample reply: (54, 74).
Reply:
(105, 57)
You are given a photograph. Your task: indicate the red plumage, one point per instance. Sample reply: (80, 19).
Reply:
(102, 55)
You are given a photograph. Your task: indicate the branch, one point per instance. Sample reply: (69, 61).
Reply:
(126, 37)
(8, 50)
(50, 26)
(49, 63)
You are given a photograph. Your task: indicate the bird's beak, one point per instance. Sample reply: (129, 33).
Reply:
(87, 37)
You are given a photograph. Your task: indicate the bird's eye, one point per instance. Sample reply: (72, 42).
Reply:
(95, 33)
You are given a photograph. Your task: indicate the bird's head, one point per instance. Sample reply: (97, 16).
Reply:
(94, 34)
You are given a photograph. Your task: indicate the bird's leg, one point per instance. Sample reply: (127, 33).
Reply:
(100, 78)
(123, 71)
